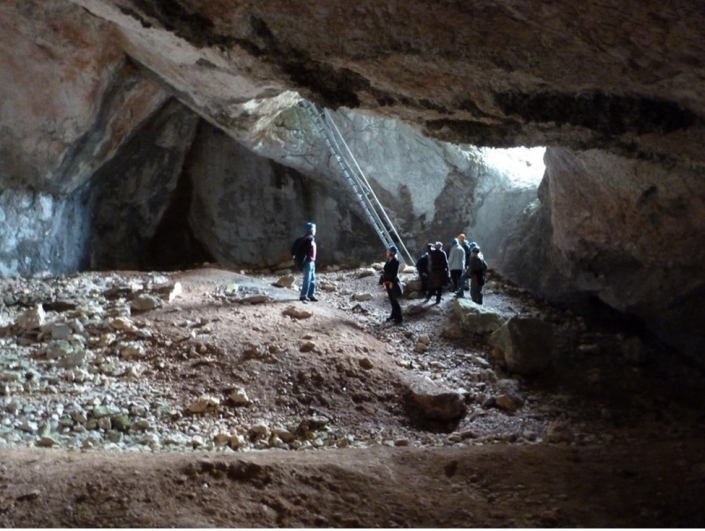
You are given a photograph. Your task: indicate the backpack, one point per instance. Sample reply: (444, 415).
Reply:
(299, 250)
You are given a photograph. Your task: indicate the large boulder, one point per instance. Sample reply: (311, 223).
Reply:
(436, 403)
(525, 345)
(476, 318)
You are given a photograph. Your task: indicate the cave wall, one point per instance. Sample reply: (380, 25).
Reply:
(246, 209)
(131, 193)
(43, 234)
(626, 231)
(69, 98)
(615, 89)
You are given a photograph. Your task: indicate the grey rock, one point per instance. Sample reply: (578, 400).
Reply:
(526, 345)
(475, 318)
(436, 403)
(145, 302)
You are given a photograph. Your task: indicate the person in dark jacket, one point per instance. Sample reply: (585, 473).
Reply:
(308, 284)
(438, 272)
(422, 268)
(477, 269)
(390, 279)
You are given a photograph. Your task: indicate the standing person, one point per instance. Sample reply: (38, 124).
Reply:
(308, 285)
(467, 248)
(477, 269)
(456, 263)
(422, 268)
(390, 279)
(438, 272)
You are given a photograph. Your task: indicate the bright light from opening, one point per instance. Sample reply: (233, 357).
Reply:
(522, 166)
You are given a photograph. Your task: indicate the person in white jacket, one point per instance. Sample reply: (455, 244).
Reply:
(456, 263)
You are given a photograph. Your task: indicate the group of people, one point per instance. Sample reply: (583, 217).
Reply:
(464, 263)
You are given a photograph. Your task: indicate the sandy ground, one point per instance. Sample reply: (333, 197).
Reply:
(628, 453)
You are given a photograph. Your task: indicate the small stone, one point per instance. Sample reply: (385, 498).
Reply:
(366, 363)
(308, 346)
(145, 302)
(362, 297)
(203, 403)
(421, 347)
(259, 430)
(132, 351)
(507, 402)
(286, 281)
(60, 331)
(48, 441)
(239, 398)
(121, 422)
(32, 319)
(297, 313)
(122, 323)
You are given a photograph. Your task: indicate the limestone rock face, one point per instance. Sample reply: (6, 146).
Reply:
(72, 101)
(625, 231)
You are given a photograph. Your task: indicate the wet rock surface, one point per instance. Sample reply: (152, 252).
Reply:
(237, 378)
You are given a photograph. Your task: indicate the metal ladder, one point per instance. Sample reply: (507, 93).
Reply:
(329, 132)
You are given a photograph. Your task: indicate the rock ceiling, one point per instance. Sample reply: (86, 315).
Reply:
(591, 74)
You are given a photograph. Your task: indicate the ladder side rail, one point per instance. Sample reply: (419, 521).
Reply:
(367, 184)
(363, 195)
(358, 183)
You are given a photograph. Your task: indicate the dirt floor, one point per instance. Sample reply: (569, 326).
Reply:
(608, 436)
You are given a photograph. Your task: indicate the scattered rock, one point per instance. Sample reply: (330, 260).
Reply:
(297, 313)
(203, 404)
(32, 319)
(366, 363)
(145, 302)
(436, 403)
(286, 281)
(239, 397)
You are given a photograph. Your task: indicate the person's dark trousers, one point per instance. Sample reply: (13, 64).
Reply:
(475, 292)
(396, 307)
(437, 292)
(455, 275)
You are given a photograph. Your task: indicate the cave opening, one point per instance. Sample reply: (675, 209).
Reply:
(523, 166)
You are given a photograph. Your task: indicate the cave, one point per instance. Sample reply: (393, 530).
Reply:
(143, 140)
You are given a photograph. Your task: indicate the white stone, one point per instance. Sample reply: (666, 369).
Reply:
(29, 427)
(32, 319)
(203, 403)
(239, 397)
(132, 351)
